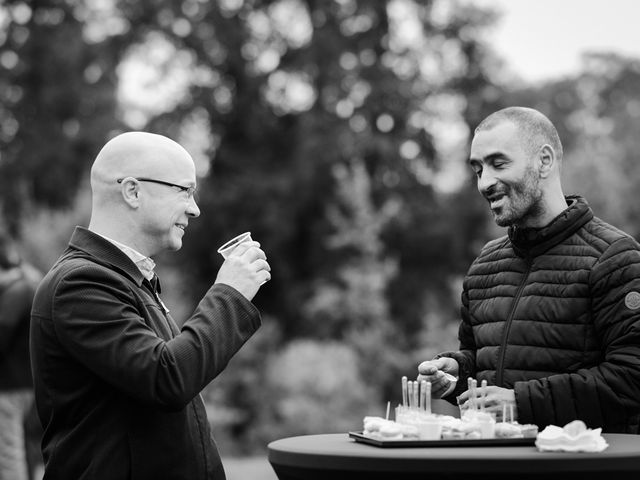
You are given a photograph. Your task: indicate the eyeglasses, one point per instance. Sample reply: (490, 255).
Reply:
(190, 191)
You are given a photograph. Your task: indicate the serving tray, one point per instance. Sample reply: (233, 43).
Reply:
(484, 442)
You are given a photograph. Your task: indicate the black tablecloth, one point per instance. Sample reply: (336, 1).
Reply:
(337, 457)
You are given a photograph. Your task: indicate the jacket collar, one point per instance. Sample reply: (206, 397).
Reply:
(105, 252)
(531, 242)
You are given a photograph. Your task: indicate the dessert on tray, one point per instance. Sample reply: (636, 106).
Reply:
(382, 429)
(414, 420)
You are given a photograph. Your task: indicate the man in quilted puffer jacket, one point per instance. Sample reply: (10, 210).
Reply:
(550, 311)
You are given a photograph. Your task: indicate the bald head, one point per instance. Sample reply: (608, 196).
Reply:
(130, 178)
(134, 154)
(534, 128)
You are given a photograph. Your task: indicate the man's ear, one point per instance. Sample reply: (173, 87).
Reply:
(131, 192)
(547, 160)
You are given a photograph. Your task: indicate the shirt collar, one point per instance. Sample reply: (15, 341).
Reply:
(145, 264)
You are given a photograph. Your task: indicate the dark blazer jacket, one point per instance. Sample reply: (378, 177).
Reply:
(117, 383)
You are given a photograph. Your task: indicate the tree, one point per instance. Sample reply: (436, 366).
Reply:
(58, 89)
(325, 123)
(336, 131)
(597, 114)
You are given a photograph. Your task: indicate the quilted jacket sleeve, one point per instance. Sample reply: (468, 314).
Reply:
(606, 395)
(466, 356)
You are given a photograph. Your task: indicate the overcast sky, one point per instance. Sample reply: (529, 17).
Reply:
(544, 38)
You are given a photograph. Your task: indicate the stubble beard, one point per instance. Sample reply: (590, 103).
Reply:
(524, 202)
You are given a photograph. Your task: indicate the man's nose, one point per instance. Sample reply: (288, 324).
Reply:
(486, 182)
(193, 210)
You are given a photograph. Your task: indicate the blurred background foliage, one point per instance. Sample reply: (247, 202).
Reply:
(337, 132)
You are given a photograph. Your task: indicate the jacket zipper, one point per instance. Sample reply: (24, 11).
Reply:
(507, 328)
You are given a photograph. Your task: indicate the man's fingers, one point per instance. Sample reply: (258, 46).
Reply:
(242, 248)
(267, 276)
(261, 264)
(427, 368)
(254, 253)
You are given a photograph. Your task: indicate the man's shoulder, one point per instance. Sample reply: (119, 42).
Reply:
(76, 264)
(78, 275)
(606, 230)
(70, 260)
(494, 246)
(491, 256)
(603, 235)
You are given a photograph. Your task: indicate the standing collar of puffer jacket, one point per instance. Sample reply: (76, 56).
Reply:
(531, 242)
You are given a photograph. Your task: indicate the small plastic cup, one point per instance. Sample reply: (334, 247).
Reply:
(429, 429)
(487, 428)
(487, 422)
(452, 383)
(226, 249)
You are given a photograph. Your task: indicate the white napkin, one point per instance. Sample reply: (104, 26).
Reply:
(573, 437)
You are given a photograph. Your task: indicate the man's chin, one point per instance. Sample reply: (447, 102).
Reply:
(175, 245)
(501, 219)
(502, 222)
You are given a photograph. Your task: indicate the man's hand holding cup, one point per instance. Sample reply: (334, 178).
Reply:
(245, 267)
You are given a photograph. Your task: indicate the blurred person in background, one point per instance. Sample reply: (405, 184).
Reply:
(18, 282)
(117, 383)
(551, 311)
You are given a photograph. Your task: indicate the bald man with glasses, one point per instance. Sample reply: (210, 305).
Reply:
(117, 382)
